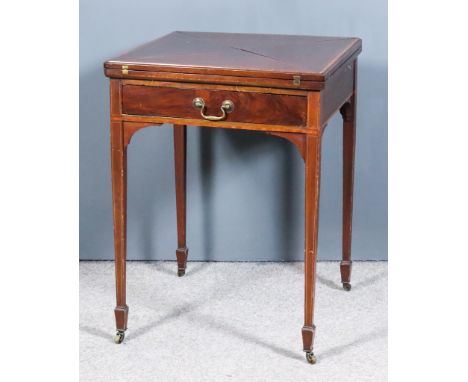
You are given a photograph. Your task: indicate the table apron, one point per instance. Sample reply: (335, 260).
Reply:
(216, 124)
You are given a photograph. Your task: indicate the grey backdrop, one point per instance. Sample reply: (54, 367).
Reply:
(245, 189)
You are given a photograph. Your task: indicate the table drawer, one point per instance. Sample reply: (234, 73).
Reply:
(247, 107)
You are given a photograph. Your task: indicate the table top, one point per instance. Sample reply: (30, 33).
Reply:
(246, 55)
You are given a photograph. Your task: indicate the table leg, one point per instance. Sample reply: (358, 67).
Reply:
(180, 159)
(312, 191)
(348, 111)
(119, 204)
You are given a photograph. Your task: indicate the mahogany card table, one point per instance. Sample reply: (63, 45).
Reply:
(287, 86)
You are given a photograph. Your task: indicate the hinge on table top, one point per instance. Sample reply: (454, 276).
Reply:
(124, 69)
(296, 80)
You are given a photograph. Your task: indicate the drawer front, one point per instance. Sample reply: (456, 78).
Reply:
(249, 107)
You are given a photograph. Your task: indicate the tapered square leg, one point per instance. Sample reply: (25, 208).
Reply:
(180, 161)
(348, 111)
(119, 205)
(312, 193)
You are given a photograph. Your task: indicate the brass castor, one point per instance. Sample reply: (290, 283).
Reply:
(180, 272)
(119, 336)
(311, 358)
(347, 286)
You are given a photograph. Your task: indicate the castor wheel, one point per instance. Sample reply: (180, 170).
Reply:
(119, 336)
(311, 358)
(181, 272)
(347, 286)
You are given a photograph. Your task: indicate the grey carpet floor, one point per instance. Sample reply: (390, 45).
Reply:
(233, 322)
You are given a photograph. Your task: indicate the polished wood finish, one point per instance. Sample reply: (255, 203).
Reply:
(238, 56)
(286, 86)
(180, 160)
(130, 128)
(339, 87)
(261, 108)
(298, 140)
(348, 112)
(214, 79)
(119, 202)
(312, 194)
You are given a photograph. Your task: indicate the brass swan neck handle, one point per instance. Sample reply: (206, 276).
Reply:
(226, 107)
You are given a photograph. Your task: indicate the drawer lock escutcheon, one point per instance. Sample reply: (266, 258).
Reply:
(226, 107)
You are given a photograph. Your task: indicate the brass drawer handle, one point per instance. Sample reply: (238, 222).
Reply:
(226, 107)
